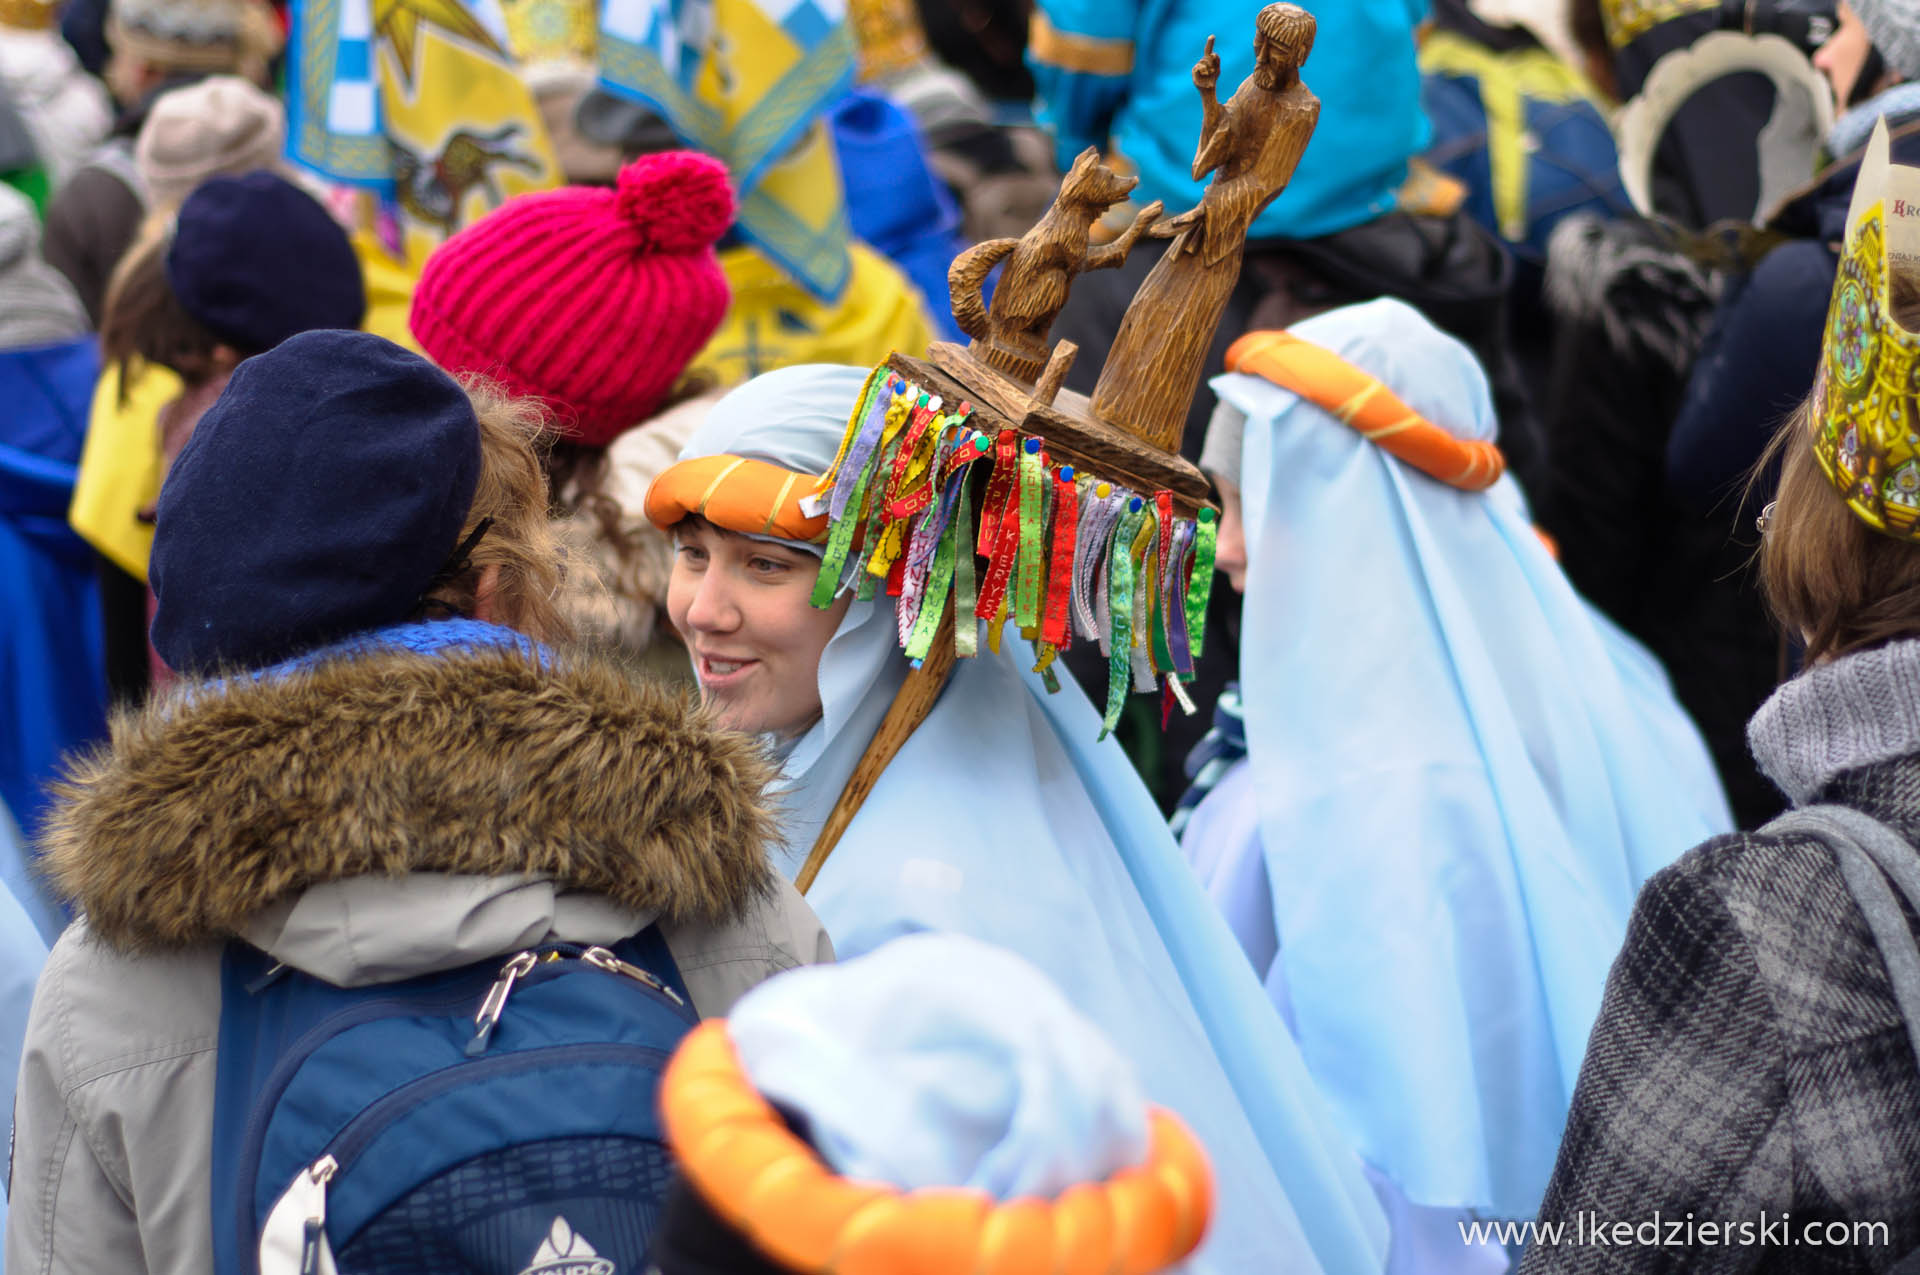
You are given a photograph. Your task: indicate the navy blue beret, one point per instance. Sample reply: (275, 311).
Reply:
(318, 498)
(256, 259)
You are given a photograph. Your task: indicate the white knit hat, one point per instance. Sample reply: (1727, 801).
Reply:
(1894, 26)
(221, 125)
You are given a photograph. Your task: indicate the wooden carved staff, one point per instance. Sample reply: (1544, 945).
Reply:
(1129, 432)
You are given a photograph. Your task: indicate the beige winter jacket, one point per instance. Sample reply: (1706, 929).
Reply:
(373, 819)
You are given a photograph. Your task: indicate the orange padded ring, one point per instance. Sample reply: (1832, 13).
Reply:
(773, 1188)
(1363, 401)
(749, 496)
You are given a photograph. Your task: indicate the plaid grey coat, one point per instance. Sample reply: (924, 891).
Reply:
(1748, 1064)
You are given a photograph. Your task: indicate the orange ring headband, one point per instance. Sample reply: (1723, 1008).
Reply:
(749, 496)
(773, 1188)
(1325, 379)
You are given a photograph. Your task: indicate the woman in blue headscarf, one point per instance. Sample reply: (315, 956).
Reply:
(1000, 818)
(1456, 773)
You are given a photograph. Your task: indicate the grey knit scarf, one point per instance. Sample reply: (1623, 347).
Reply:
(1854, 711)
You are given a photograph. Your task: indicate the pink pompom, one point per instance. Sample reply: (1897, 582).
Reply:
(679, 201)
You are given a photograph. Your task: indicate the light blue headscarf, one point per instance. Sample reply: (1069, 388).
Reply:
(1002, 819)
(1459, 775)
(938, 1060)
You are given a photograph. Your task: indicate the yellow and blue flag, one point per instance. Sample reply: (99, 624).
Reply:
(749, 81)
(419, 103)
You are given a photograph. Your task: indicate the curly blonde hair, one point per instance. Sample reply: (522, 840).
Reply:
(520, 540)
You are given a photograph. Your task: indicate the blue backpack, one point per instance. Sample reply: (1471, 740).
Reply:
(498, 1119)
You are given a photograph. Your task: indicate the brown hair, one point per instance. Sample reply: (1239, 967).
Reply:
(144, 321)
(1828, 576)
(519, 540)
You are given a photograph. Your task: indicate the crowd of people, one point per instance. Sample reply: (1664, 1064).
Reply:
(448, 619)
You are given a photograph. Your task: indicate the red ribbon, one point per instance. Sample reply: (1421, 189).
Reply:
(1066, 525)
(1000, 525)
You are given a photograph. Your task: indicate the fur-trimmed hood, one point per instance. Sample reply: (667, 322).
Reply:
(225, 800)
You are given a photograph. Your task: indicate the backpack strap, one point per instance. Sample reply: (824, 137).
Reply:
(648, 949)
(1871, 855)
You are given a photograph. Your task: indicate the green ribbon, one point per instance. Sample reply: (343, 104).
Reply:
(867, 583)
(1028, 577)
(1120, 616)
(966, 627)
(933, 598)
(840, 539)
(1206, 531)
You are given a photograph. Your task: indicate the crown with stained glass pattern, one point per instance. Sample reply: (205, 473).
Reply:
(1866, 393)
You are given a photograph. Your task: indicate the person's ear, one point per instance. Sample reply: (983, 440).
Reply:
(485, 594)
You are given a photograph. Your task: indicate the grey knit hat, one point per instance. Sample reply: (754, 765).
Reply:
(37, 304)
(1894, 27)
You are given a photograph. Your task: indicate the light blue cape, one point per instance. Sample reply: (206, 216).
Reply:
(1002, 819)
(1459, 773)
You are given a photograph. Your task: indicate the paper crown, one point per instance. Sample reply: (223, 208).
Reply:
(1627, 20)
(1866, 398)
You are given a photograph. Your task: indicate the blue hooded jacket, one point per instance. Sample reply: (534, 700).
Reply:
(51, 648)
(893, 199)
(1117, 75)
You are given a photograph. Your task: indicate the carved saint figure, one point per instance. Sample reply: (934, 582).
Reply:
(1250, 144)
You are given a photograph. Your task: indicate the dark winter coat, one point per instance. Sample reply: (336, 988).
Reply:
(1631, 309)
(94, 216)
(1759, 357)
(1749, 1061)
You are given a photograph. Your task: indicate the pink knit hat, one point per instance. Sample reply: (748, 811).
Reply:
(594, 300)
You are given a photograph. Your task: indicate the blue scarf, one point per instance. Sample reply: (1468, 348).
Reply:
(1224, 744)
(422, 637)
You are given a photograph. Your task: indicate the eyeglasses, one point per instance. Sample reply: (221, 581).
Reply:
(1766, 517)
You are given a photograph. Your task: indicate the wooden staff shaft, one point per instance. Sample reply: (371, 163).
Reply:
(911, 704)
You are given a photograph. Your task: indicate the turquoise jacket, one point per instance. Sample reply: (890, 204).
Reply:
(1117, 74)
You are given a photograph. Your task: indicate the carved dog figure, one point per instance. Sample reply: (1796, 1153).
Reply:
(1012, 334)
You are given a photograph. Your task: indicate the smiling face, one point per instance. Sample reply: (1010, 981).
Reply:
(742, 606)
